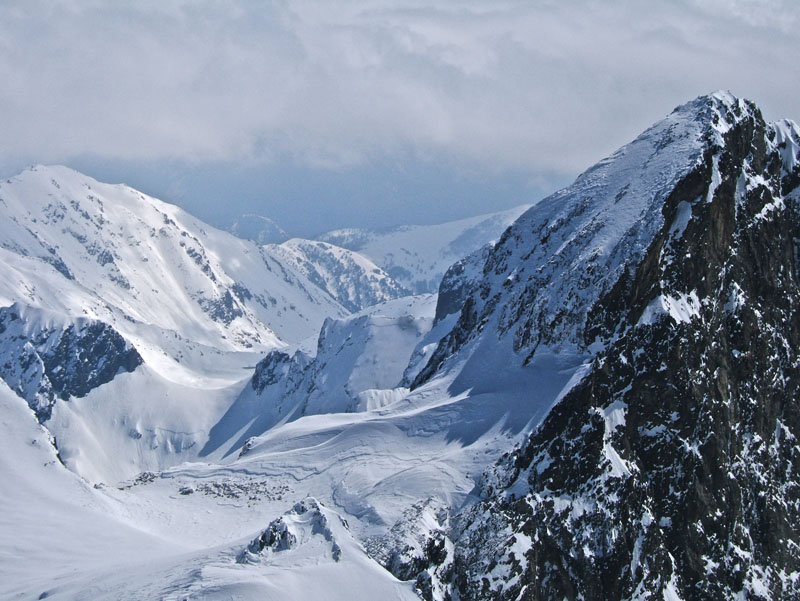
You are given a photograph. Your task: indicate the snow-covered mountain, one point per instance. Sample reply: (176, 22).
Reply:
(79, 247)
(603, 405)
(350, 278)
(359, 365)
(417, 256)
(353, 280)
(119, 308)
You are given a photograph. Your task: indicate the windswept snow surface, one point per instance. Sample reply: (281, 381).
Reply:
(368, 466)
(55, 530)
(62, 539)
(417, 256)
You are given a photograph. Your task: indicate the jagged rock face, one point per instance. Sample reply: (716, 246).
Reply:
(305, 520)
(43, 363)
(459, 282)
(553, 266)
(277, 537)
(670, 471)
(417, 548)
(273, 369)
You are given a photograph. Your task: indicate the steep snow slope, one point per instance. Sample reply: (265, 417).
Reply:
(560, 257)
(73, 245)
(351, 279)
(417, 256)
(358, 366)
(53, 525)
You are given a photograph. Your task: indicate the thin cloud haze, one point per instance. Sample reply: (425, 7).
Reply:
(543, 88)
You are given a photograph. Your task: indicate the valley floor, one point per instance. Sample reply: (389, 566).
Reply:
(177, 533)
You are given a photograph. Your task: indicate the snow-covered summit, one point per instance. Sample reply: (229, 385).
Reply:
(668, 467)
(562, 256)
(81, 247)
(127, 324)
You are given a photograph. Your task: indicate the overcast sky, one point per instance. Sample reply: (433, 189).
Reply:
(324, 114)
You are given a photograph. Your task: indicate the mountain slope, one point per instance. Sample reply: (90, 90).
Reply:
(606, 407)
(417, 256)
(62, 539)
(45, 356)
(73, 245)
(358, 366)
(352, 280)
(54, 525)
(558, 259)
(668, 472)
(128, 325)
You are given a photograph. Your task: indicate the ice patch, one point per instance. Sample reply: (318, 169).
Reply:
(614, 417)
(682, 308)
(682, 217)
(716, 179)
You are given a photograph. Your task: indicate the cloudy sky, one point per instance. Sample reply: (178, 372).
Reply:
(376, 112)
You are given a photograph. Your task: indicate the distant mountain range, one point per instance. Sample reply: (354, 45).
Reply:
(417, 256)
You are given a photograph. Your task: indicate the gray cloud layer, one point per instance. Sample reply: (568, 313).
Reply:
(540, 86)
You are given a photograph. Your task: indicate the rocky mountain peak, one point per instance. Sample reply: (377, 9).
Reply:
(545, 281)
(668, 471)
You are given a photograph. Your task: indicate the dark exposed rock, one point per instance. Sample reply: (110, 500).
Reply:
(223, 309)
(271, 369)
(305, 519)
(670, 471)
(276, 537)
(460, 281)
(58, 264)
(43, 362)
(418, 548)
(104, 257)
